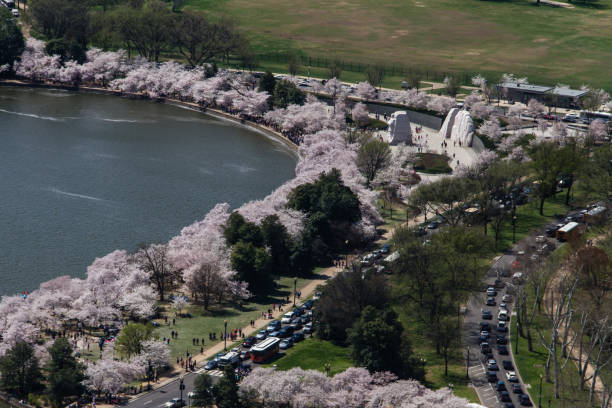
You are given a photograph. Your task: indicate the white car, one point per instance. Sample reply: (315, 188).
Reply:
(287, 317)
(511, 376)
(15, 12)
(507, 298)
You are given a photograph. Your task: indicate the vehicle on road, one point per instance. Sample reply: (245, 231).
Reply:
(491, 301)
(511, 376)
(433, 225)
(265, 350)
(507, 364)
(484, 348)
(15, 12)
(211, 365)
(507, 298)
(286, 343)
(175, 403)
(491, 291)
(285, 332)
(262, 335)
(385, 249)
(248, 342)
(232, 358)
(297, 337)
(500, 386)
(245, 355)
(484, 336)
(492, 365)
(419, 232)
(503, 350)
(486, 314)
(504, 396)
(525, 401)
(287, 317)
(502, 327)
(492, 376)
(502, 315)
(517, 389)
(501, 340)
(308, 328)
(275, 333)
(308, 304)
(484, 326)
(274, 325)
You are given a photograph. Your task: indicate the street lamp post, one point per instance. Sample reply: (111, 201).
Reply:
(516, 334)
(540, 394)
(181, 387)
(225, 335)
(149, 370)
(294, 290)
(467, 365)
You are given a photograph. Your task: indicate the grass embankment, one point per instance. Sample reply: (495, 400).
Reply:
(314, 354)
(432, 163)
(547, 44)
(203, 322)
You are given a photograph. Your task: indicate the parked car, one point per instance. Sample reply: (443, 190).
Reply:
(484, 326)
(486, 314)
(285, 344)
(492, 376)
(248, 342)
(511, 376)
(275, 333)
(517, 389)
(484, 335)
(491, 291)
(308, 328)
(15, 12)
(501, 340)
(419, 232)
(211, 365)
(245, 355)
(508, 405)
(287, 317)
(507, 364)
(491, 301)
(492, 365)
(500, 386)
(433, 225)
(297, 337)
(285, 332)
(502, 327)
(262, 335)
(503, 350)
(525, 401)
(385, 249)
(503, 305)
(502, 315)
(484, 348)
(504, 396)
(175, 403)
(274, 325)
(308, 304)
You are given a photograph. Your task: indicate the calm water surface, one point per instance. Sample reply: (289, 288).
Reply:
(82, 175)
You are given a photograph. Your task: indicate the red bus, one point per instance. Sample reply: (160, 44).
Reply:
(264, 350)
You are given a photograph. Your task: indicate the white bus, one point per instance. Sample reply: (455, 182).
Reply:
(589, 116)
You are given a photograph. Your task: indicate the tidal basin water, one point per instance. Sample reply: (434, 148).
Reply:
(84, 174)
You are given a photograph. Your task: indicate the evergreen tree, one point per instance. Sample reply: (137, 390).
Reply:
(65, 374)
(267, 83)
(286, 93)
(203, 391)
(226, 390)
(20, 371)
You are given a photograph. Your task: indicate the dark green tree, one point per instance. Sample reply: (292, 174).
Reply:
(253, 266)
(379, 343)
(11, 38)
(68, 19)
(237, 229)
(294, 63)
(267, 82)
(546, 167)
(343, 299)
(203, 391)
(375, 75)
(286, 93)
(277, 239)
(129, 342)
(20, 371)
(196, 38)
(453, 85)
(226, 390)
(65, 374)
(67, 50)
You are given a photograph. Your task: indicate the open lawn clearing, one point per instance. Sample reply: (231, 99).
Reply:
(547, 44)
(313, 354)
(203, 322)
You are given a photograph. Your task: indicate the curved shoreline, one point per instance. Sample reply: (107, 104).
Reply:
(217, 113)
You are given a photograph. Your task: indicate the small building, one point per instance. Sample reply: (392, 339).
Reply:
(556, 96)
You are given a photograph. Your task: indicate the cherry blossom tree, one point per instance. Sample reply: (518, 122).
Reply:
(481, 110)
(471, 99)
(598, 130)
(360, 114)
(491, 129)
(365, 91)
(535, 108)
(110, 375)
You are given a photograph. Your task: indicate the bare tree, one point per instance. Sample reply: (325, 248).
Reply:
(153, 260)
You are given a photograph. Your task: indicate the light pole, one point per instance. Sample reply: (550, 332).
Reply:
(467, 365)
(540, 396)
(149, 370)
(181, 387)
(225, 335)
(516, 334)
(294, 290)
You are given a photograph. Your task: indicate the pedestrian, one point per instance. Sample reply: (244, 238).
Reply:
(173, 321)
(172, 333)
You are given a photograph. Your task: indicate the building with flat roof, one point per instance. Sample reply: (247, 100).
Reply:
(557, 96)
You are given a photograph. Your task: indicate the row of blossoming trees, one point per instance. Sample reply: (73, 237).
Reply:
(122, 285)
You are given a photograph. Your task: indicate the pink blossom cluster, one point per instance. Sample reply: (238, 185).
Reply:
(353, 388)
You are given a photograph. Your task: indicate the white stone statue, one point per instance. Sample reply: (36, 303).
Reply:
(458, 126)
(399, 129)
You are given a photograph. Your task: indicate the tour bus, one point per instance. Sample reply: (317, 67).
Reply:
(590, 116)
(232, 358)
(570, 231)
(264, 350)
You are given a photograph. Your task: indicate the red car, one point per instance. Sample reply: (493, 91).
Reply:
(548, 116)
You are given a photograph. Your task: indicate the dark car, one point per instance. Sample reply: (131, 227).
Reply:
(517, 389)
(285, 332)
(484, 336)
(419, 232)
(297, 337)
(508, 405)
(285, 344)
(211, 365)
(492, 366)
(298, 311)
(504, 396)
(492, 376)
(507, 364)
(525, 401)
(385, 249)
(273, 326)
(248, 342)
(491, 301)
(484, 326)
(486, 314)
(433, 225)
(501, 340)
(308, 304)
(502, 327)
(275, 333)
(503, 350)
(500, 386)
(262, 335)
(484, 348)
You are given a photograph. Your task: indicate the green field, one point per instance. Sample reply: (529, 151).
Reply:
(547, 44)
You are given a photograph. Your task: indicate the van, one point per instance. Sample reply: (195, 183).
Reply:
(232, 358)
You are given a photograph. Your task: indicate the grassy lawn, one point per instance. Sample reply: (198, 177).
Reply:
(432, 163)
(313, 354)
(547, 44)
(203, 322)
(531, 365)
(528, 218)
